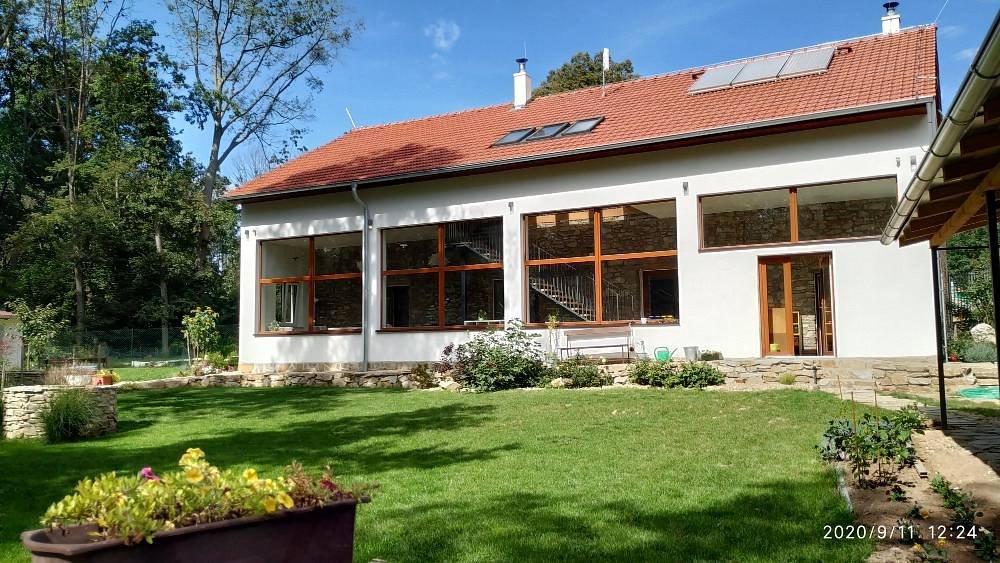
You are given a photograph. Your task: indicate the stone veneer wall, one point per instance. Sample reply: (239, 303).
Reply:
(297, 377)
(23, 408)
(900, 374)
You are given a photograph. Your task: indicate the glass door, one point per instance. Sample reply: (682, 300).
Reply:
(796, 305)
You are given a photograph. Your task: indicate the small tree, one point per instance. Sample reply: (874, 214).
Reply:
(200, 331)
(583, 71)
(39, 328)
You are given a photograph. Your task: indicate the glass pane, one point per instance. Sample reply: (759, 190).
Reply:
(514, 136)
(474, 242)
(778, 338)
(338, 304)
(637, 289)
(563, 290)
(285, 258)
(283, 306)
(560, 235)
(411, 300)
(338, 254)
(473, 297)
(748, 218)
(641, 227)
(583, 126)
(547, 131)
(410, 247)
(856, 209)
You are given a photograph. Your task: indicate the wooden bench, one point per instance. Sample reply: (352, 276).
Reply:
(588, 341)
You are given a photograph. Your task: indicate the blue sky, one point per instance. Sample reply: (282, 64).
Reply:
(421, 58)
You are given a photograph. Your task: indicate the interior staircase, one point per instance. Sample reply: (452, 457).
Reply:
(566, 285)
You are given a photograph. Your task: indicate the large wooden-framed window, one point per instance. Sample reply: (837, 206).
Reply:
(443, 275)
(607, 265)
(799, 214)
(310, 285)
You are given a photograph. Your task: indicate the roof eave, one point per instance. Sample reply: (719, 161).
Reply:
(589, 152)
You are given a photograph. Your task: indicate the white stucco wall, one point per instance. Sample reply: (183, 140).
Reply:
(883, 296)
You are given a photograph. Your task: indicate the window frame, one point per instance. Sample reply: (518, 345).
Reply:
(793, 215)
(309, 280)
(597, 260)
(440, 269)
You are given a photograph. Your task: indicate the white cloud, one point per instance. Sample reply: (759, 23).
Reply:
(443, 33)
(950, 30)
(965, 54)
(438, 58)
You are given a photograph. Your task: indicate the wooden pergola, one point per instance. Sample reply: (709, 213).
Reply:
(954, 188)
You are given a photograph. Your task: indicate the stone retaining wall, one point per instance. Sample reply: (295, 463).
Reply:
(399, 379)
(23, 407)
(901, 374)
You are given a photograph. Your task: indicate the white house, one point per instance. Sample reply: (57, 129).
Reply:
(736, 207)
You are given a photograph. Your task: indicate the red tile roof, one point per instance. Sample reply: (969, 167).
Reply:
(875, 70)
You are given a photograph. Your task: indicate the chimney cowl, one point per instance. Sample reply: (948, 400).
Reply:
(890, 21)
(522, 84)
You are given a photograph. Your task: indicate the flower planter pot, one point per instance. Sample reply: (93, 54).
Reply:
(323, 533)
(101, 380)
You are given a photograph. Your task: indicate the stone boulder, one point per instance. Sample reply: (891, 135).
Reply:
(983, 332)
(559, 382)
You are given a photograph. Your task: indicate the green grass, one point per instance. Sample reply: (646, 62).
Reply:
(982, 408)
(547, 475)
(145, 374)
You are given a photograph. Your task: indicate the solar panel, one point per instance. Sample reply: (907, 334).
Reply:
(582, 126)
(514, 136)
(805, 62)
(546, 131)
(718, 77)
(762, 69)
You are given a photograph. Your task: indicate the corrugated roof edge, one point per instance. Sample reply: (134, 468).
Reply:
(486, 165)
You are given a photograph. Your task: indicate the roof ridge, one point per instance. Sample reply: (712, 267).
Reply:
(424, 117)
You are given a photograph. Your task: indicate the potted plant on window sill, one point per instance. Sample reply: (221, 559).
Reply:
(200, 513)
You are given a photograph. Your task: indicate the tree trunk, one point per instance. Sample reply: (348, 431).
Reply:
(208, 194)
(77, 267)
(165, 306)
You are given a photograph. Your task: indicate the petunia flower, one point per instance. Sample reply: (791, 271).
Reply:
(270, 505)
(147, 474)
(285, 500)
(250, 475)
(194, 475)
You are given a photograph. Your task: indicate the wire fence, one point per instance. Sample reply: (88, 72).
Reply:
(126, 346)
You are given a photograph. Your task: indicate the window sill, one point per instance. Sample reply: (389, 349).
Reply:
(635, 323)
(331, 331)
(451, 328)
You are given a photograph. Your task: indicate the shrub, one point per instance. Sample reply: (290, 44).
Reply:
(200, 332)
(496, 359)
(216, 360)
(422, 376)
(651, 372)
(582, 372)
(832, 443)
(786, 378)
(135, 507)
(709, 355)
(70, 416)
(985, 545)
(979, 352)
(909, 417)
(698, 375)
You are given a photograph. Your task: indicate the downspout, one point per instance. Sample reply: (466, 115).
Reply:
(978, 82)
(364, 274)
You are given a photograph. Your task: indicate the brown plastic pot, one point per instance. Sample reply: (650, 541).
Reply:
(101, 380)
(324, 533)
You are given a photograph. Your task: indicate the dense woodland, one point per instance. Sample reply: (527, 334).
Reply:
(102, 214)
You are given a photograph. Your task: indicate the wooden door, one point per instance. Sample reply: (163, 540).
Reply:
(776, 322)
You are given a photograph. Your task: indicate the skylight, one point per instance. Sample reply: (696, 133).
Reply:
(515, 136)
(547, 131)
(578, 127)
(583, 126)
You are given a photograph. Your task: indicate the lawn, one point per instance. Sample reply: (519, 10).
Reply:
(145, 374)
(982, 408)
(521, 475)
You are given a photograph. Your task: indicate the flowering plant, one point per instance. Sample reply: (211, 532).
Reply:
(135, 507)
